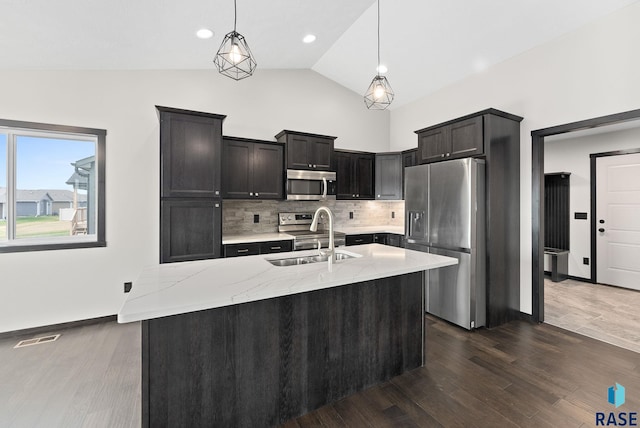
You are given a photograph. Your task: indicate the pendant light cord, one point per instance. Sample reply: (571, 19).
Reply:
(235, 16)
(377, 65)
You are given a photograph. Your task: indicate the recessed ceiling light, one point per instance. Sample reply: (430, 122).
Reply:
(382, 69)
(309, 38)
(204, 33)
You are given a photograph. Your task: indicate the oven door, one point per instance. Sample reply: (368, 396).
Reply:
(310, 185)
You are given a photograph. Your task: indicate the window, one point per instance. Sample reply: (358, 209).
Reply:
(51, 187)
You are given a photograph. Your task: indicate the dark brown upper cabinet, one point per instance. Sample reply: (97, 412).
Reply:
(354, 175)
(389, 176)
(409, 158)
(307, 151)
(190, 153)
(252, 169)
(452, 141)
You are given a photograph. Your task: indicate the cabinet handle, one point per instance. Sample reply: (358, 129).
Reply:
(250, 193)
(358, 240)
(448, 154)
(276, 248)
(358, 195)
(309, 165)
(245, 250)
(353, 196)
(315, 166)
(378, 195)
(442, 155)
(257, 194)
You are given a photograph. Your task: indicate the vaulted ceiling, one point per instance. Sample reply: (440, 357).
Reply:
(426, 44)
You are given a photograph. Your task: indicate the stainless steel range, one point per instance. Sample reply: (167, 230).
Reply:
(297, 224)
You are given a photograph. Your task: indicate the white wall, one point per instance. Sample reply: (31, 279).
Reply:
(42, 288)
(588, 73)
(572, 155)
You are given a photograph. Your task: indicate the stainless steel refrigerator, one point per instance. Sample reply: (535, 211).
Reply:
(445, 214)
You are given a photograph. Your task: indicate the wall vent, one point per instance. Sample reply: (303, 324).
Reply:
(37, 341)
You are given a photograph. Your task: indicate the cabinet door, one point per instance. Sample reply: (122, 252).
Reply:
(190, 155)
(466, 138)
(389, 177)
(409, 158)
(344, 176)
(298, 152)
(433, 145)
(321, 151)
(381, 238)
(237, 169)
(364, 171)
(394, 240)
(191, 230)
(268, 171)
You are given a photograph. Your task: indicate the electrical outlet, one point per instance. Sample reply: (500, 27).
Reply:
(256, 218)
(393, 214)
(351, 215)
(585, 260)
(127, 286)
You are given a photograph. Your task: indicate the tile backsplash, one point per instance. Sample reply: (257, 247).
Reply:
(238, 216)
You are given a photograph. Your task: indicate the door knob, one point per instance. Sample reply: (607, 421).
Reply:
(601, 229)
(601, 221)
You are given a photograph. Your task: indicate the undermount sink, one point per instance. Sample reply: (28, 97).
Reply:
(303, 260)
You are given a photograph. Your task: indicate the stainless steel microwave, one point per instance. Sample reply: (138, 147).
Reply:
(310, 185)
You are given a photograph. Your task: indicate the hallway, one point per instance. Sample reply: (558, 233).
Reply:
(602, 312)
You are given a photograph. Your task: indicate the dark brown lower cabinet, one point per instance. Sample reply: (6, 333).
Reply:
(262, 363)
(190, 229)
(253, 248)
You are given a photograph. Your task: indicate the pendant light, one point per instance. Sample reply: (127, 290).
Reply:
(379, 95)
(234, 58)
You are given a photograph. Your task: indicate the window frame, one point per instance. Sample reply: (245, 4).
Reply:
(15, 245)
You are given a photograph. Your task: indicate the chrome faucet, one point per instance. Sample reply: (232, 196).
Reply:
(314, 227)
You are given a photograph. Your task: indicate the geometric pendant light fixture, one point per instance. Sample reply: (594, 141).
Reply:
(234, 58)
(379, 95)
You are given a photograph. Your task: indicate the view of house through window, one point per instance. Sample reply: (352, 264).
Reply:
(48, 187)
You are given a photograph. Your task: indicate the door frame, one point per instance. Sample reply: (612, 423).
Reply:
(537, 197)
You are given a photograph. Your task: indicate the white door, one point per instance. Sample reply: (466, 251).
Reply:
(618, 220)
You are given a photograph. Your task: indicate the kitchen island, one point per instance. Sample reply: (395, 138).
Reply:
(241, 342)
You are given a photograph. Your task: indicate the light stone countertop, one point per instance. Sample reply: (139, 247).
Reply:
(356, 230)
(176, 288)
(245, 238)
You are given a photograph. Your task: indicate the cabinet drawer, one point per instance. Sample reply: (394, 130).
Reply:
(236, 250)
(276, 247)
(359, 239)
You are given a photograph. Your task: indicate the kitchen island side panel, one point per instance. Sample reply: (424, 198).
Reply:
(262, 363)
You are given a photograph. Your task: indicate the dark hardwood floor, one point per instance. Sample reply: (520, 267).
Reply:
(518, 374)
